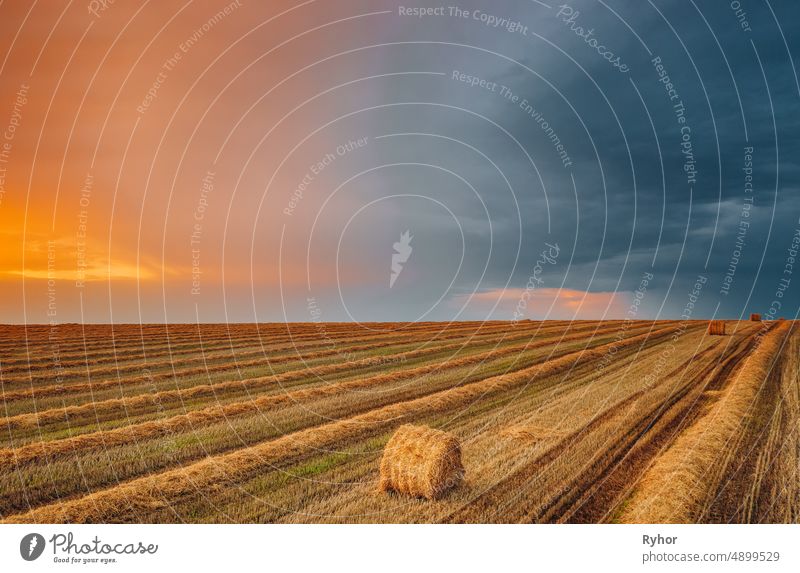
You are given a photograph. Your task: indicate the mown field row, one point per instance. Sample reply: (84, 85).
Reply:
(558, 422)
(206, 351)
(27, 345)
(37, 397)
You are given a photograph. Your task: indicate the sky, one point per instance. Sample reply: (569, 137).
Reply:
(347, 160)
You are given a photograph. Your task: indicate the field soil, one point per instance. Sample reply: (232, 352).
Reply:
(558, 422)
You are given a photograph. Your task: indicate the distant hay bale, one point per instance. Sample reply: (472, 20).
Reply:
(421, 462)
(716, 327)
(755, 317)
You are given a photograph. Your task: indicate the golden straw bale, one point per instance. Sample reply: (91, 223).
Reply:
(421, 462)
(755, 317)
(716, 327)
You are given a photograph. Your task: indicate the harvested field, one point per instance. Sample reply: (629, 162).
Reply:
(586, 422)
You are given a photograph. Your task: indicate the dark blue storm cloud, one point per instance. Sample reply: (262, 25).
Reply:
(644, 138)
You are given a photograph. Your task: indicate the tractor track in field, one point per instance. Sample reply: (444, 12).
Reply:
(676, 427)
(177, 395)
(124, 501)
(9, 457)
(739, 497)
(680, 482)
(95, 385)
(226, 346)
(651, 435)
(82, 346)
(581, 487)
(83, 444)
(317, 350)
(141, 345)
(83, 340)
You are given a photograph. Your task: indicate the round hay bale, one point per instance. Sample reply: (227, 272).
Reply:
(421, 462)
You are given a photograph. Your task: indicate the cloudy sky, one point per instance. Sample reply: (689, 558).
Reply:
(239, 161)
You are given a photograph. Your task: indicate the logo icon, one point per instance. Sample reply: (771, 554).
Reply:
(31, 546)
(400, 256)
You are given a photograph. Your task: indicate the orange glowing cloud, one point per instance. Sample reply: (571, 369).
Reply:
(96, 271)
(65, 259)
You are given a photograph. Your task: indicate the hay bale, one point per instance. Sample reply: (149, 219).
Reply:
(716, 327)
(755, 317)
(421, 462)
